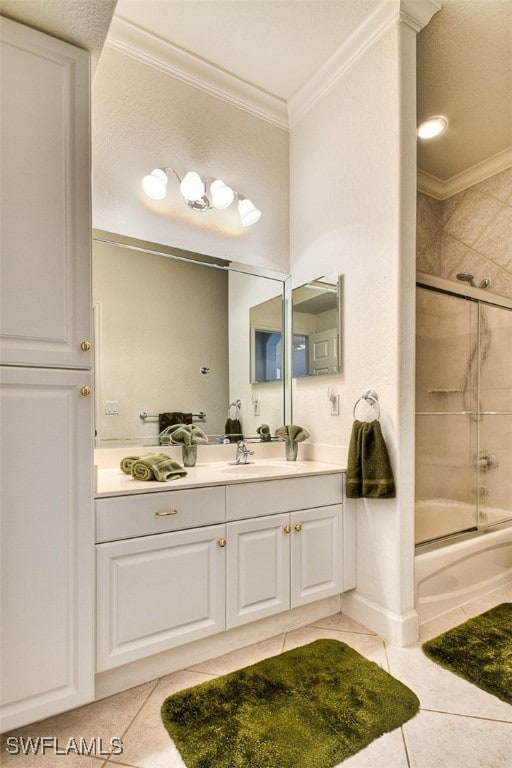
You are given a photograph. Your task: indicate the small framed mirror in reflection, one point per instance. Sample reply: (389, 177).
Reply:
(316, 327)
(315, 338)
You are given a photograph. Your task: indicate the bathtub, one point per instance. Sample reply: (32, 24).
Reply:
(452, 572)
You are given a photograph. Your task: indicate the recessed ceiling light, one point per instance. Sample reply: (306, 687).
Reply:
(432, 127)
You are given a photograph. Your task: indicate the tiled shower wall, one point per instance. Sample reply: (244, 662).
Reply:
(469, 232)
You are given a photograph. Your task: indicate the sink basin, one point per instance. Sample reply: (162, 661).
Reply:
(261, 469)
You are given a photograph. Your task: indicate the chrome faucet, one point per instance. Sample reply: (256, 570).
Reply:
(242, 452)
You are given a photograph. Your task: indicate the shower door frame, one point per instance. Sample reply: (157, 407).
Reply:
(479, 296)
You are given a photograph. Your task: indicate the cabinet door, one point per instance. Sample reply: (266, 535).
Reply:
(47, 544)
(45, 200)
(258, 563)
(158, 592)
(316, 552)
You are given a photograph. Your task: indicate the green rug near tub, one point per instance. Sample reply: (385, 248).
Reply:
(480, 651)
(311, 707)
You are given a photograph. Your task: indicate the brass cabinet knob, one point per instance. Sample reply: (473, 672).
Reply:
(298, 527)
(85, 391)
(85, 346)
(222, 542)
(166, 513)
(287, 528)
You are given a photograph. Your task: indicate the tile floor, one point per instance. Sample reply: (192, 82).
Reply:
(458, 725)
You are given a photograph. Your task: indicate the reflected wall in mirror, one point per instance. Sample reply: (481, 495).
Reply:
(172, 336)
(315, 333)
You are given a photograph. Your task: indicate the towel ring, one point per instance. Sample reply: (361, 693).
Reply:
(372, 398)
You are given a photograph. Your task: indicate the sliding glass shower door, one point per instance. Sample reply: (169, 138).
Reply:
(464, 414)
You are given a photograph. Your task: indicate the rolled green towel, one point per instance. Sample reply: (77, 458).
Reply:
(157, 466)
(292, 433)
(187, 434)
(128, 462)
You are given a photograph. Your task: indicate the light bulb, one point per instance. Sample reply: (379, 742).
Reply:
(222, 195)
(155, 184)
(248, 212)
(432, 127)
(192, 187)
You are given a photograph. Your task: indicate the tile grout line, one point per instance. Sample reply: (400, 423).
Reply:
(469, 717)
(109, 760)
(405, 744)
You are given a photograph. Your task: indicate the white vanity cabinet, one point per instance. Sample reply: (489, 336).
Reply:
(157, 592)
(175, 566)
(47, 523)
(283, 560)
(160, 571)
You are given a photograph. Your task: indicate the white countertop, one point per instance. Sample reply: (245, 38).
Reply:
(113, 482)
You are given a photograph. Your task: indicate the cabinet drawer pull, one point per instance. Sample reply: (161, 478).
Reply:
(167, 513)
(85, 346)
(85, 391)
(298, 527)
(287, 528)
(222, 542)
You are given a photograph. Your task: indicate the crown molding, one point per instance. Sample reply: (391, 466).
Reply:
(417, 13)
(314, 89)
(143, 46)
(435, 187)
(414, 13)
(134, 41)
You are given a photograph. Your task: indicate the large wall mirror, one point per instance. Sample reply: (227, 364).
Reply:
(315, 337)
(173, 336)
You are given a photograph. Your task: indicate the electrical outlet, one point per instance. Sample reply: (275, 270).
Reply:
(335, 405)
(112, 407)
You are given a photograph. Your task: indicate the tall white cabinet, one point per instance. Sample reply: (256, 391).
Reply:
(47, 533)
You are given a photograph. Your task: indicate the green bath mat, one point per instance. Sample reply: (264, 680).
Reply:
(307, 708)
(480, 651)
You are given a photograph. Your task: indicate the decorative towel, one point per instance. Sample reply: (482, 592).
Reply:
(292, 433)
(233, 430)
(369, 473)
(264, 433)
(187, 434)
(173, 417)
(157, 466)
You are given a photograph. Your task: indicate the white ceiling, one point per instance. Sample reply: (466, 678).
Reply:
(276, 46)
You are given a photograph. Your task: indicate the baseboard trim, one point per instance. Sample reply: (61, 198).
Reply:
(394, 628)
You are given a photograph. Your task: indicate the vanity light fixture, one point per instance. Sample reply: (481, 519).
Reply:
(200, 195)
(432, 127)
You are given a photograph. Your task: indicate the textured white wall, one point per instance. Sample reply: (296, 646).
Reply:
(353, 210)
(143, 119)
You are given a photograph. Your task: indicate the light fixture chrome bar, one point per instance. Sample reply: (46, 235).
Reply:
(201, 195)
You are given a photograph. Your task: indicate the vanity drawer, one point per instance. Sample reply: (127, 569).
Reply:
(123, 517)
(270, 497)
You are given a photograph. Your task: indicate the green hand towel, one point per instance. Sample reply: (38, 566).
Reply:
(187, 434)
(369, 472)
(292, 433)
(157, 466)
